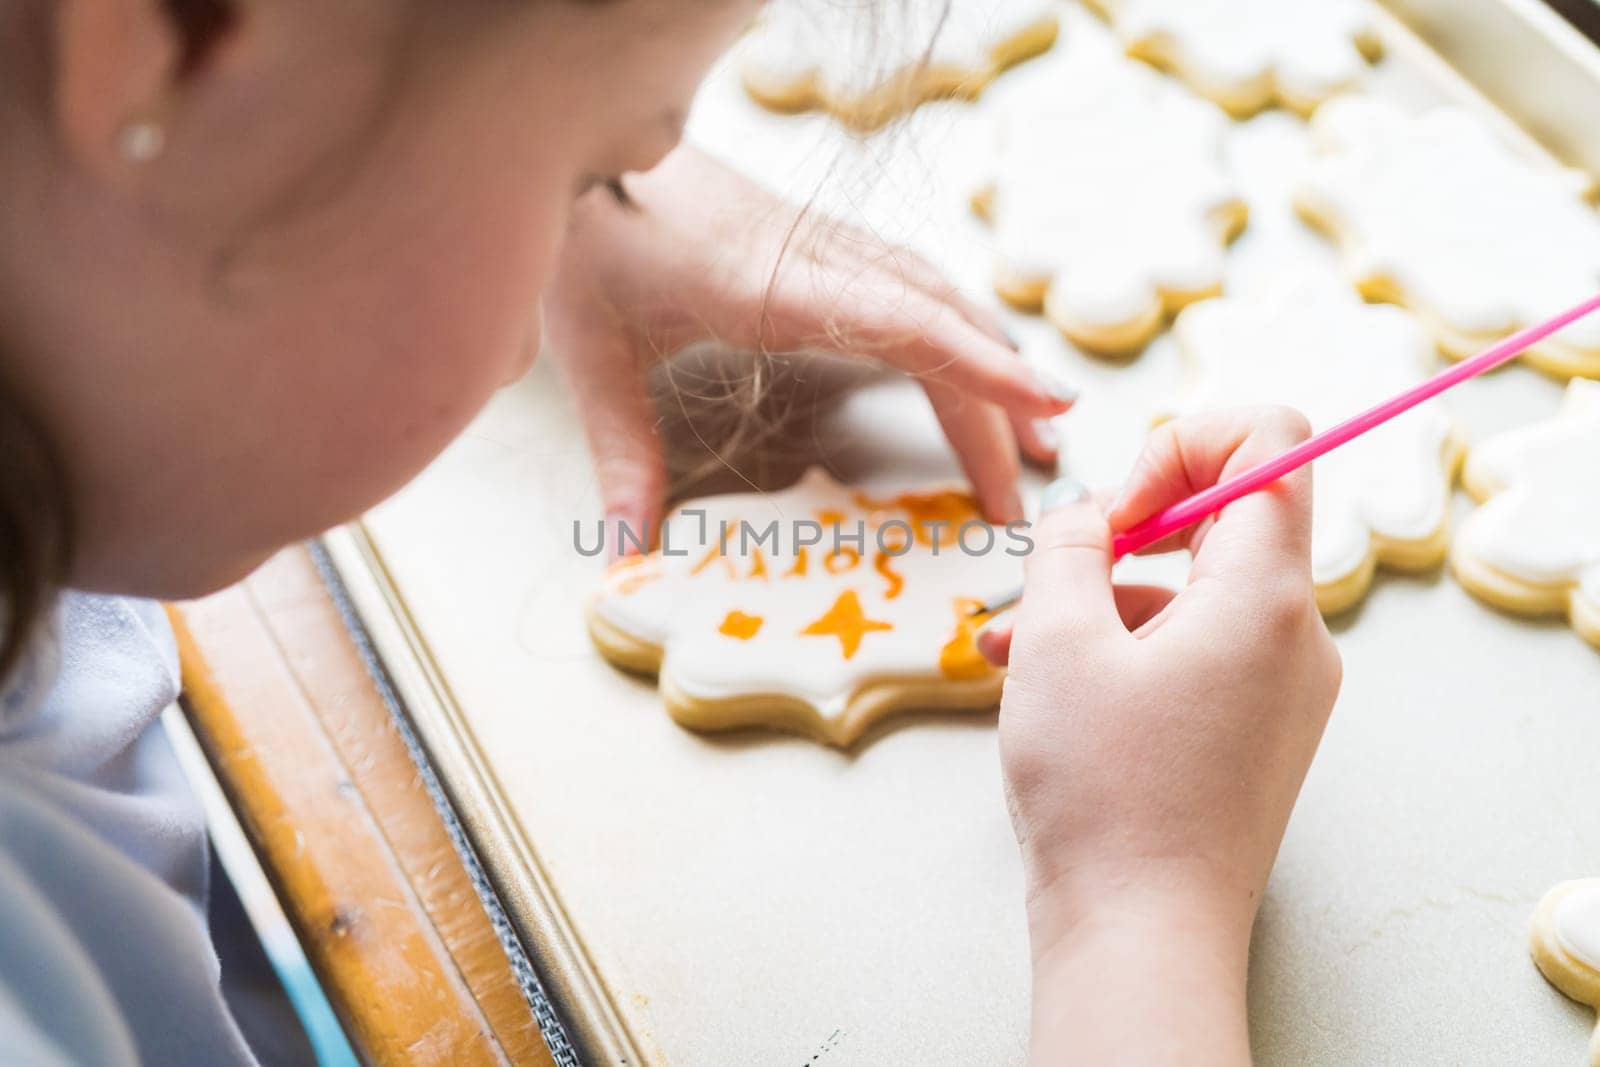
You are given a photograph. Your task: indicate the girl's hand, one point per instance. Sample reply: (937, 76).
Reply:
(1153, 745)
(701, 253)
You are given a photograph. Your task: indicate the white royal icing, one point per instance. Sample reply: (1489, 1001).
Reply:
(684, 611)
(1543, 523)
(1577, 924)
(1314, 345)
(1477, 237)
(1109, 180)
(851, 47)
(1308, 47)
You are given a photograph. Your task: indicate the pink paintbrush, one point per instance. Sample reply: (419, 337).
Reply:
(1186, 513)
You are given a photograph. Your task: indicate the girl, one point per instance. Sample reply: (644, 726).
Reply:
(260, 262)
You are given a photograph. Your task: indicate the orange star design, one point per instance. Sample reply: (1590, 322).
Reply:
(846, 621)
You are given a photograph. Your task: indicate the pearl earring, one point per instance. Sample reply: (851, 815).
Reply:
(141, 141)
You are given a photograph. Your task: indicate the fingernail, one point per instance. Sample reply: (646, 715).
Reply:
(1046, 433)
(1061, 492)
(1059, 389)
(1011, 339)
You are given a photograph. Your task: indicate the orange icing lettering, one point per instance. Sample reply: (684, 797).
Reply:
(719, 551)
(948, 506)
(631, 572)
(841, 552)
(884, 565)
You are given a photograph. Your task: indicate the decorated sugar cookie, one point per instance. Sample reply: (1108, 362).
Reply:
(1533, 547)
(1565, 941)
(1109, 201)
(1437, 214)
(1250, 54)
(818, 609)
(867, 65)
(1384, 498)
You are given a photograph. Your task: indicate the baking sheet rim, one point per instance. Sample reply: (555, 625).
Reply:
(595, 1028)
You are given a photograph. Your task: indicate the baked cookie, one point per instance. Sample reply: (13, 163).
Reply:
(807, 56)
(1565, 941)
(1534, 546)
(1247, 55)
(1437, 214)
(1109, 201)
(818, 609)
(1384, 498)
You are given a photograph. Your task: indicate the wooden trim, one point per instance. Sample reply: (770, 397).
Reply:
(306, 752)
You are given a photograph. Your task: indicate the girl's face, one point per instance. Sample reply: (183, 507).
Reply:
(334, 260)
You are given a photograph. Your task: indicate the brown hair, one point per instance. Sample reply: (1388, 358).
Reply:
(35, 528)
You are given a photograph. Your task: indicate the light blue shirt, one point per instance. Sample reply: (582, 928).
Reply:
(105, 957)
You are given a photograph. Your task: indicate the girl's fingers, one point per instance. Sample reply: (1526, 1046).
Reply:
(1258, 532)
(1138, 605)
(994, 641)
(983, 441)
(866, 253)
(619, 421)
(1069, 594)
(924, 338)
(1037, 440)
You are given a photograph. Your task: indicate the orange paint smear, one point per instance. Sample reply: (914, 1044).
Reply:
(960, 659)
(740, 625)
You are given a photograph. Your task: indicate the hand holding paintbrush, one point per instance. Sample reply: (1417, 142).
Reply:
(1209, 501)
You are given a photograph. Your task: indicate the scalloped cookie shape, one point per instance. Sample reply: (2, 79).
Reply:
(1533, 546)
(858, 608)
(1110, 203)
(1384, 498)
(1564, 938)
(1246, 55)
(808, 56)
(1437, 214)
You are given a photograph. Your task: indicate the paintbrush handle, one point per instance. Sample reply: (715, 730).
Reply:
(1210, 501)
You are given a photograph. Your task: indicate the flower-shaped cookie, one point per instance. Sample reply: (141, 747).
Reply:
(1565, 941)
(1437, 214)
(1384, 498)
(817, 609)
(1110, 205)
(1534, 546)
(1250, 54)
(807, 56)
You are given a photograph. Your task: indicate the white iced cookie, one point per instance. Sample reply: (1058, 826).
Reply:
(1250, 54)
(1383, 499)
(1437, 214)
(868, 63)
(859, 608)
(1110, 204)
(1534, 545)
(1565, 941)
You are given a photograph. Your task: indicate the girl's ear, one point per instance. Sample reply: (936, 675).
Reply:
(117, 63)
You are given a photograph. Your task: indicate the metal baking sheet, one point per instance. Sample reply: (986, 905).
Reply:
(760, 899)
